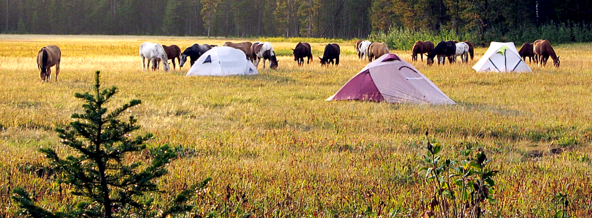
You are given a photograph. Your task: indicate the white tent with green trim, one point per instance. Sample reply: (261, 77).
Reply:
(501, 57)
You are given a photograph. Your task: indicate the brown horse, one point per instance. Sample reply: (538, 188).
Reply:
(243, 46)
(47, 57)
(543, 50)
(420, 48)
(173, 51)
(527, 51)
(377, 49)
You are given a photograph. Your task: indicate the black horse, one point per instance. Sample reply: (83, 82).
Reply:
(443, 49)
(194, 52)
(302, 50)
(332, 51)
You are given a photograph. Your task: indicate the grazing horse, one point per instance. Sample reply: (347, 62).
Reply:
(527, 51)
(377, 49)
(331, 52)
(172, 52)
(462, 49)
(302, 50)
(362, 48)
(442, 50)
(47, 57)
(153, 52)
(194, 52)
(420, 48)
(264, 51)
(543, 50)
(243, 46)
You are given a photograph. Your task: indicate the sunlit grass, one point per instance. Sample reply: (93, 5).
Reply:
(283, 150)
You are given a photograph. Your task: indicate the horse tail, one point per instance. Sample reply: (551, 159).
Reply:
(44, 58)
(471, 49)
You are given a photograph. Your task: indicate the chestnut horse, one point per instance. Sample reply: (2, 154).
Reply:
(243, 46)
(377, 49)
(173, 51)
(442, 50)
(420, 48)
(47, 57)
(527, 51)
(302, 50)
(543, 50)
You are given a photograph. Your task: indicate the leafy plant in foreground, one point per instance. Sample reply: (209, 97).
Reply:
(101, 174)
(459, 188)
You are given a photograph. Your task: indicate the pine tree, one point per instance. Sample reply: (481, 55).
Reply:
(102, 174)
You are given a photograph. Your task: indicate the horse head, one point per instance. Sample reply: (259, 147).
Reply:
(430, 61)
(556, 61)
(323, 61)
(274, 62)
(183, 60)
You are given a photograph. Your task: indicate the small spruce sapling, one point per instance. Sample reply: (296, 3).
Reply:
(100, 174)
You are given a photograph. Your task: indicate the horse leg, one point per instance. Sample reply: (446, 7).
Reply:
(337, 61)
(57, 70)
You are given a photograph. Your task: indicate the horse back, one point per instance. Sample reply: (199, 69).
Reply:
(49, 56)
(546, 49)
(526, 49)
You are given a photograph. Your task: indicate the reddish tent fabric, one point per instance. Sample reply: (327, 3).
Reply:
(393, 80)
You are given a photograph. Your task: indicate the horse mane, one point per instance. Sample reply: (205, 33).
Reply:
(437, 50)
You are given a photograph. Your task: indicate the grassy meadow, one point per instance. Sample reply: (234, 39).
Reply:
(275, 148)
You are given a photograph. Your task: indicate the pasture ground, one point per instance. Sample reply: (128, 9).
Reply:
(274, 147)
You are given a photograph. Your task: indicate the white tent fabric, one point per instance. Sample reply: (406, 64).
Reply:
(222, 61)
(501, 57)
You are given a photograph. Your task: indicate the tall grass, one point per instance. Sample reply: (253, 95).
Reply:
(274, 147)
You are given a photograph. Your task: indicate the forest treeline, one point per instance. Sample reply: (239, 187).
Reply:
(482, 20)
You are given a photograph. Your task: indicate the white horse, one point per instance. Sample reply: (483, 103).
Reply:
(363, 49)
(462, 49)
(264, 51)
(153, 52)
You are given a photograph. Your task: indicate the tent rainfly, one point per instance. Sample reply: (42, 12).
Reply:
(393, 80)
(222, 61)
(501, 57)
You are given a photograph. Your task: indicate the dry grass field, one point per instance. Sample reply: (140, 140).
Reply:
(275, 148)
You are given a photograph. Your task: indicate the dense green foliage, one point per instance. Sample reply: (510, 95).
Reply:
(478, 20)
(108, 182)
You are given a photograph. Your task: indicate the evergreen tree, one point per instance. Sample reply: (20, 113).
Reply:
(208, 12)
(103, 174)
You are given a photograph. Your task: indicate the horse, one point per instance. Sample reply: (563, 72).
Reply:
(362, 48)
(543, 50)
(243, 46)
(471, 49)
(462, 49)
(331, 53)
(302, 50)
(48, 57)
(420, 48)
(377, 49)
(527, 51)
(264, 51)
(442, 50)
(153, 52)
(194, 52)
(172, 52)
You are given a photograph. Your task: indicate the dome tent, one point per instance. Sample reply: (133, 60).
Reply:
(393, 80)
(222, 61)
(501, 57)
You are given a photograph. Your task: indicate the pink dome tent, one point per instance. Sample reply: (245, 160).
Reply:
(393, 80)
